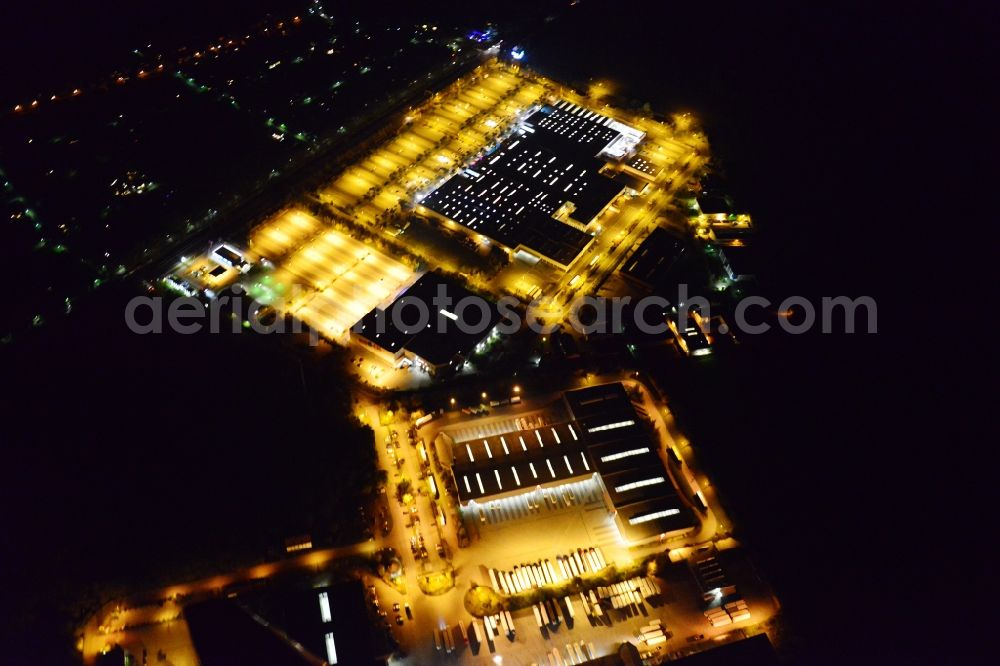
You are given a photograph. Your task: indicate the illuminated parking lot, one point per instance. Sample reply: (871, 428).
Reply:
(327, 279)
(462, 120)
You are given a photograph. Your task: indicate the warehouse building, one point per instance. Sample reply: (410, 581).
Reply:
(651, 263)
(444, 341)
(606, 440)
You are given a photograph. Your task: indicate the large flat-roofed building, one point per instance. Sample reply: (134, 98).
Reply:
(629, 465)
(453, 329)
(333, 623)
(508, 464)
(654, 258)
(540, 188)
(604, 439)
(740, 262)
(719, 220)
(642, 167)
(288, 627)
(718, 206)
(223, 633)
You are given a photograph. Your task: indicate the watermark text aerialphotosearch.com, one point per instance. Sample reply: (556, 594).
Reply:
(474, 315)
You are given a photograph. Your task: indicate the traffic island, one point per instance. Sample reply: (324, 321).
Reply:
(481, 601)
(436, 583)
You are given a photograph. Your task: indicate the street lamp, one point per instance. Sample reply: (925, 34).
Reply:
(452, 401)
(517, 389)
(483, 395)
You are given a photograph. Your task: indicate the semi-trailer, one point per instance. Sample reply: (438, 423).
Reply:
(477, 633)
(489, 629)
(449, 644)
(647, 635)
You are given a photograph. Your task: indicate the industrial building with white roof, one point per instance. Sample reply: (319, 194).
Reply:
(604, 439)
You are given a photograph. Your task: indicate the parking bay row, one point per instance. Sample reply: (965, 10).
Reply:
(550, 615)
(543, 572)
